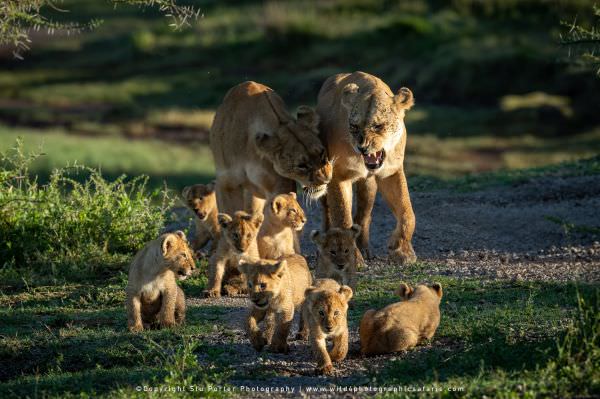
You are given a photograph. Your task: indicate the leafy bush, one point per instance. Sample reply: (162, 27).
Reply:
(77, 220)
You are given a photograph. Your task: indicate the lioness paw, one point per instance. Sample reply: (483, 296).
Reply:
(325, 370)
(404, 254)
(211, 293)
(258, 342)
(135, 328)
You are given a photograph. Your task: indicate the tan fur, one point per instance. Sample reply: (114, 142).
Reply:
(238, 239)
(153, 297)
(278, 237)
(324, 314)
(202, 200)
(276, 289)
(402, 325)
(338, 255)
(261, 150)
(360, 114)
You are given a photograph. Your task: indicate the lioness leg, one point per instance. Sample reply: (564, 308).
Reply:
(395, 191)
(339, 201)
(366, 190)
(325, 219)
(230, 198)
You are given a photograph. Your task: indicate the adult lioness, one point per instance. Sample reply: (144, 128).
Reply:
(261, 149)
(362, 122)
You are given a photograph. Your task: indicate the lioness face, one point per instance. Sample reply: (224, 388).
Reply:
(288, 212)
(297, 152)
(329, 308)
(375, 122)
(177, 255)
(264, 280)
(201, 199)
(337, 246)
(241, 229)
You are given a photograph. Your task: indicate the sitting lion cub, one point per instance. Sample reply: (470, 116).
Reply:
(153, 296)
(238, 238)
(338, 254)
(276, 288)
(324, 313)
(201, 200)
(283, 218)
(402, 325)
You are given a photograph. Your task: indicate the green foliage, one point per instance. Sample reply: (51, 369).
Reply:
(68, 224)
(583, 42)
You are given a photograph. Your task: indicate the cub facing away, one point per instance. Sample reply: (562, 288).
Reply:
(402, 325)
(339, 256)
(201, 199)
(238, 239)
(284, 218)
(153, 296)
(276, 288)
(324, 313)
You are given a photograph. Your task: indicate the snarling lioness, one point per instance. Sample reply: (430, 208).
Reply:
(261, 150)
(362, 122)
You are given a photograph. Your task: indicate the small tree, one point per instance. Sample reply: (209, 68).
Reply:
(19, 17)
(583, 43)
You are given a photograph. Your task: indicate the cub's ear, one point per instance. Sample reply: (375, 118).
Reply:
(316, 237)
(186, 192)
(168, 243)
(437, 287)
(356, 229)
(293, 194)
(349, 94)
(210, 187)
(278, 268)
(257, 219)
(181, 235)
(277, 204)
(404, 291)
(244, 266)
(346, 292)
(308, 117)
(224, 219)
(404, 99)
(267, 143)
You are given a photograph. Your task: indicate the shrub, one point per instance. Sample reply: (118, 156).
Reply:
(77, 220)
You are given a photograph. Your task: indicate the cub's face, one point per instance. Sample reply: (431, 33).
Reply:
(177, 254)
(337, 246)
(375, 121)
(241, 229)
(286, 210)
(201, 199)
(264, 280)
(297, 152)
(329, 307)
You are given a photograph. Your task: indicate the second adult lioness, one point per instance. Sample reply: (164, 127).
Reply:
(261, 150)
(362, 122)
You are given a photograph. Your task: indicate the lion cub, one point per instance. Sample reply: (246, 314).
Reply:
(202, 200)
(402, 325)
(283, 218)
(276, 288)
(324, 313)
(339, 256)
(153, 296)
(238, 238)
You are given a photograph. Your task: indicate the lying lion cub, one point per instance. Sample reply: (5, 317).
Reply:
(402, 325)
(238, 239)
(153, 296)
(324, 313)
(283, 218)
(276, 288)
(201, 200)
(338, 254)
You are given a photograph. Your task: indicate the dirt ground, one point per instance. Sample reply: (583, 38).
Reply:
(498, 233)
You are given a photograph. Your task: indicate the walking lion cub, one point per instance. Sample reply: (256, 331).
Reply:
(201, 199)
(402, 325)
(153, 297)
(284, 218)
(276, 289)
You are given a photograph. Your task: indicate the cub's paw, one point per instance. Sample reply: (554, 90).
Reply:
(325, 370)
(211, 293)
(231, 290)
(300, 336)
(135, 328)
(167, 323)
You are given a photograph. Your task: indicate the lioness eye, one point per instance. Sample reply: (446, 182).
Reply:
(321, 313)
(378, 127)
(303, 166)
(346, 251)
(332, 252)
(263, 286)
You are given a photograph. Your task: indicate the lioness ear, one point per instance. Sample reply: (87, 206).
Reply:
(277, 204)
(356, 229)
(316, 237)
(346, 292)
(224, 219)
(186, 191)
(267, 143)
(257, 219)
(168, 243)
(404, 99)
(437, 287)
(279, 268)
(308, 117)
(404, 291)
(349, 95)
